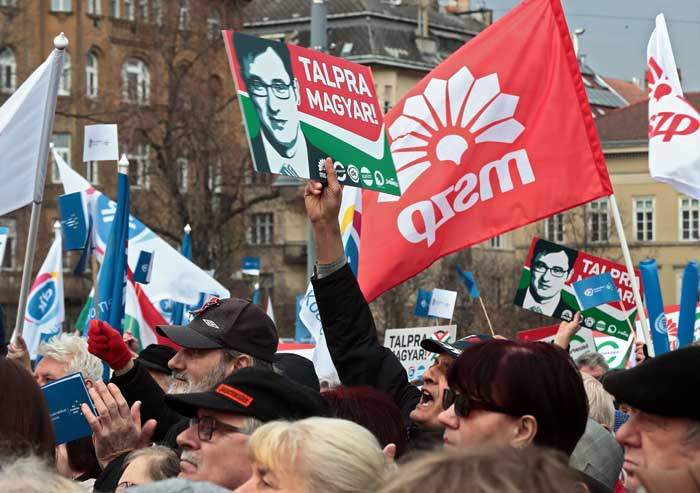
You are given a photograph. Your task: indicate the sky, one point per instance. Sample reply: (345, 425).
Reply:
(617, 33)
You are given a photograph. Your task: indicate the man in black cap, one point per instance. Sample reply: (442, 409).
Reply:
(351, 334)
(155, 358)
(222, 419)
(224, 336)
(663, 431)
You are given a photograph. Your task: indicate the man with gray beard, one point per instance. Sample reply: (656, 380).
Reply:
(223, 337)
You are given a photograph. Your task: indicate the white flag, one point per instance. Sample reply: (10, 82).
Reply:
(45, 307)
(442, 303)
(674, 125)
(270, 312)
(21, 122)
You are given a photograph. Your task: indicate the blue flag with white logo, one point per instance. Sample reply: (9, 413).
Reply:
(469, 282)
(186, 251)
(689, 302)
(423, 303)
(251, 266)
(73, 223)
(112, 280)
(142, 274)
(596, 290)
(655, 306)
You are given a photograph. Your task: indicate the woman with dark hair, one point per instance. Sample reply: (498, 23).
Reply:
(77, 460)
(372, 409)
(25, 424)
(514, 393)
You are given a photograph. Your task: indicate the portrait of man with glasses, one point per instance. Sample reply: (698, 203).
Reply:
(550, 268)
(280, 145)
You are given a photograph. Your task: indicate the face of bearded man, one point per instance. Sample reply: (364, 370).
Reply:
(197, 370)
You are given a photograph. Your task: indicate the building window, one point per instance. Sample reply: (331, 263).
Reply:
(554, 228)
(215, 178)
(61, 6)
(496, 242)
(182, 174)
(644, 219)
(61, 144)
(157, 11)
(139, 167)
(183, 17)
(261, 229)
(114, 9)
(91, 172)
(91, 75)
(143, 10)
(94, 7)
(598, 221)
(135, 81)
(388, 98)
(64, 81)
(129, 10)
(9, 261)
(690, 219)
(214, 25)
(7, 3)
(8, 71)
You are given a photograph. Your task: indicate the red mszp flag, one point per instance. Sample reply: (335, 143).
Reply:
(499, 135)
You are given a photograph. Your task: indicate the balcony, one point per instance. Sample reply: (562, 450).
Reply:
(295, 252)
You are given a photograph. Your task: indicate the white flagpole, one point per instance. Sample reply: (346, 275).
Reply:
(630, 272)
(60, 42)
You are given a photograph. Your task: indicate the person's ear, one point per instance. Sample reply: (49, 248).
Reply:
(525, 431)
(242, 361)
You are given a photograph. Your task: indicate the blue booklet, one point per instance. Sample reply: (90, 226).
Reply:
(64, 398)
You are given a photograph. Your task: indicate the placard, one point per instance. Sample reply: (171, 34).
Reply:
(405, 344)
(101, 143)
(546, 287)
(300, 106)
(580, 344)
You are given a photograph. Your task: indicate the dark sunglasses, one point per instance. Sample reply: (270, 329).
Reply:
(463, 404)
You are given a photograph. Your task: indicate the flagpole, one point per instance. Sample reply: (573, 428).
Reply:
(488, 320)
(60, 42)
(632, 275)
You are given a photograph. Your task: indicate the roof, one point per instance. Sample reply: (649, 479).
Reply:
(630, 124)
(365, 31)
(630, 91)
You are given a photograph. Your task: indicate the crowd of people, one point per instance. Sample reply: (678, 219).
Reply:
(226, 412)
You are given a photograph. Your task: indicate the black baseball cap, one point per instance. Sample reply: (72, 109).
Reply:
(232, 323)
(156, 356)
(455, 349)
(297, 368)
(256, 392)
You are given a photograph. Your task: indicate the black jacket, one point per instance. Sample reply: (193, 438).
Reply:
(356, 353)
(138, 385)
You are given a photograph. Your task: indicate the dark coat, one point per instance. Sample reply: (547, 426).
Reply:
(356, 353)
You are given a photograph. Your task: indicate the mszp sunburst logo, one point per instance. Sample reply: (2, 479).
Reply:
(446, 120)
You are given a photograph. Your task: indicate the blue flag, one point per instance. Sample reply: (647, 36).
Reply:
(251, 266)
(186, 251)
(423, 303)
(655, 306)
(689, 302)
(84, 259)
(142, 273)
(256, 295)
(596, 290)
(73, 225)
(469, 282)
(112, 280)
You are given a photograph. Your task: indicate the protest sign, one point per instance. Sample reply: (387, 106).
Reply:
(300, 106)
(442, 303)
(64, 398)
(101, 143)
(546, 287)
(405, 344)
(251, 266)
(580, 344)
(614, 350)
(672, 313)
(595, 291)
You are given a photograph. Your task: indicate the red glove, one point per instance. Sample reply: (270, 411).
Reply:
(107, 344)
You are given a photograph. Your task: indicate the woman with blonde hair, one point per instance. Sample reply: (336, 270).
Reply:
(505, 470)
(601, 405)
(315, 455)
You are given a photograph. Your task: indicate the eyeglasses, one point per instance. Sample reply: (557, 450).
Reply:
(279, 89)
(541, 268)
(206, 426)
(464, 405)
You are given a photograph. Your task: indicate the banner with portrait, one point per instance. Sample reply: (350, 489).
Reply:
(546, 287)
(300, 106)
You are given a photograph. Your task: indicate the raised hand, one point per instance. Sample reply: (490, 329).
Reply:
(116, 429)
(322, 207)
(567, 330)
(107, 344)
(18, 351)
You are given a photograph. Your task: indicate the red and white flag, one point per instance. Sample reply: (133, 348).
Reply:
(497, 136)
(674, 125)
